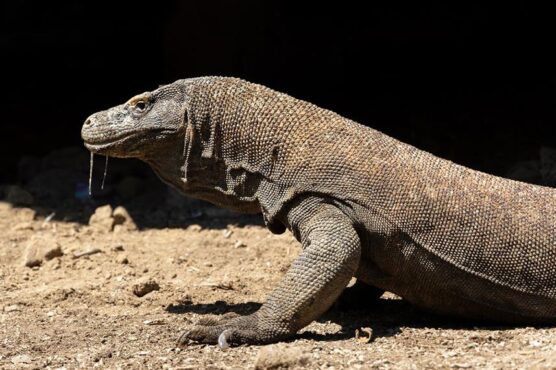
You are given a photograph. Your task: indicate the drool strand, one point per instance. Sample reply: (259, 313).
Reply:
(91, 173)
(105, 172)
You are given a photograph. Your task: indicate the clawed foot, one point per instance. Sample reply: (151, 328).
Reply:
(228, 330)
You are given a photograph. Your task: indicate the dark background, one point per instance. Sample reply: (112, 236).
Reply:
(472, 83)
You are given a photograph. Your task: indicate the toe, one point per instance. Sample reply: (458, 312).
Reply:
(234, 331)
(207, 321)
(223, 336)
(199, 334)
(217, 320)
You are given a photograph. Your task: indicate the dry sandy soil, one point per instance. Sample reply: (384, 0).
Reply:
(76, 306)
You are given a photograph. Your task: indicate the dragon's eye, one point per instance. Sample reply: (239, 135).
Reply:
(141, 105)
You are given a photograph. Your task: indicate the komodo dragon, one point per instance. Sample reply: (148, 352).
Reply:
(446, 238)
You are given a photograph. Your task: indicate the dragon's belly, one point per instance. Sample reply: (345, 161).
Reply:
(436, 285)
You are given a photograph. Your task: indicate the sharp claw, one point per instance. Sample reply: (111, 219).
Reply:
(183, 338)
(223, 339)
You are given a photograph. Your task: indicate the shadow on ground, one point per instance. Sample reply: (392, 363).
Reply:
(216, 308)
(385, 318)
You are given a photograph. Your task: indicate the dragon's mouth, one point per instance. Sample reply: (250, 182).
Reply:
(98, 145)
(105, 147)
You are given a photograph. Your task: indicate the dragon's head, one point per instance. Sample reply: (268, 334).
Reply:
(139, 126)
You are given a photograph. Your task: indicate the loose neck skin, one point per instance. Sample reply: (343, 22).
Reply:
(190, 173)
(167, 160)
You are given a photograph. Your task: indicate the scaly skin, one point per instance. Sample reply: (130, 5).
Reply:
(444, 237)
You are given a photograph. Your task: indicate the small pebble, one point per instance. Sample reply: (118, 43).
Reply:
(118, 248)
(102, 219)
(86, 253)
(21, 359)
(142, 288)
(12, 308)
(23, 226)
(121, 217)
(239, 244)
(32, 255)
(194, 227)
(278, 356)
(154, 322)
(53, 252)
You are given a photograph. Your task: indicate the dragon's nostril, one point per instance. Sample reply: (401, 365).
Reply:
(88, 122)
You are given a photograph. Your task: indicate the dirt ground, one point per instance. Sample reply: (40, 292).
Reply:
(116, 290)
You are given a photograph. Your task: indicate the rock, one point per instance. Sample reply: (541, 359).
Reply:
(41, 249)
(119, 228)
(194, 228)
(123, 260)
(102, 219)
(5, 206)
(52, 251)
(130, 187)
(154, 322)
(239, 244)
(103, 212)
(122, 217)
(32, 255)
(86, 253)
(18, 196)
(23, 226)
(280, 357)
(21, 359)
(54, 264)
(12, 308)
(104, 353)
(144, 286)
(24, 214)
(105, 219)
